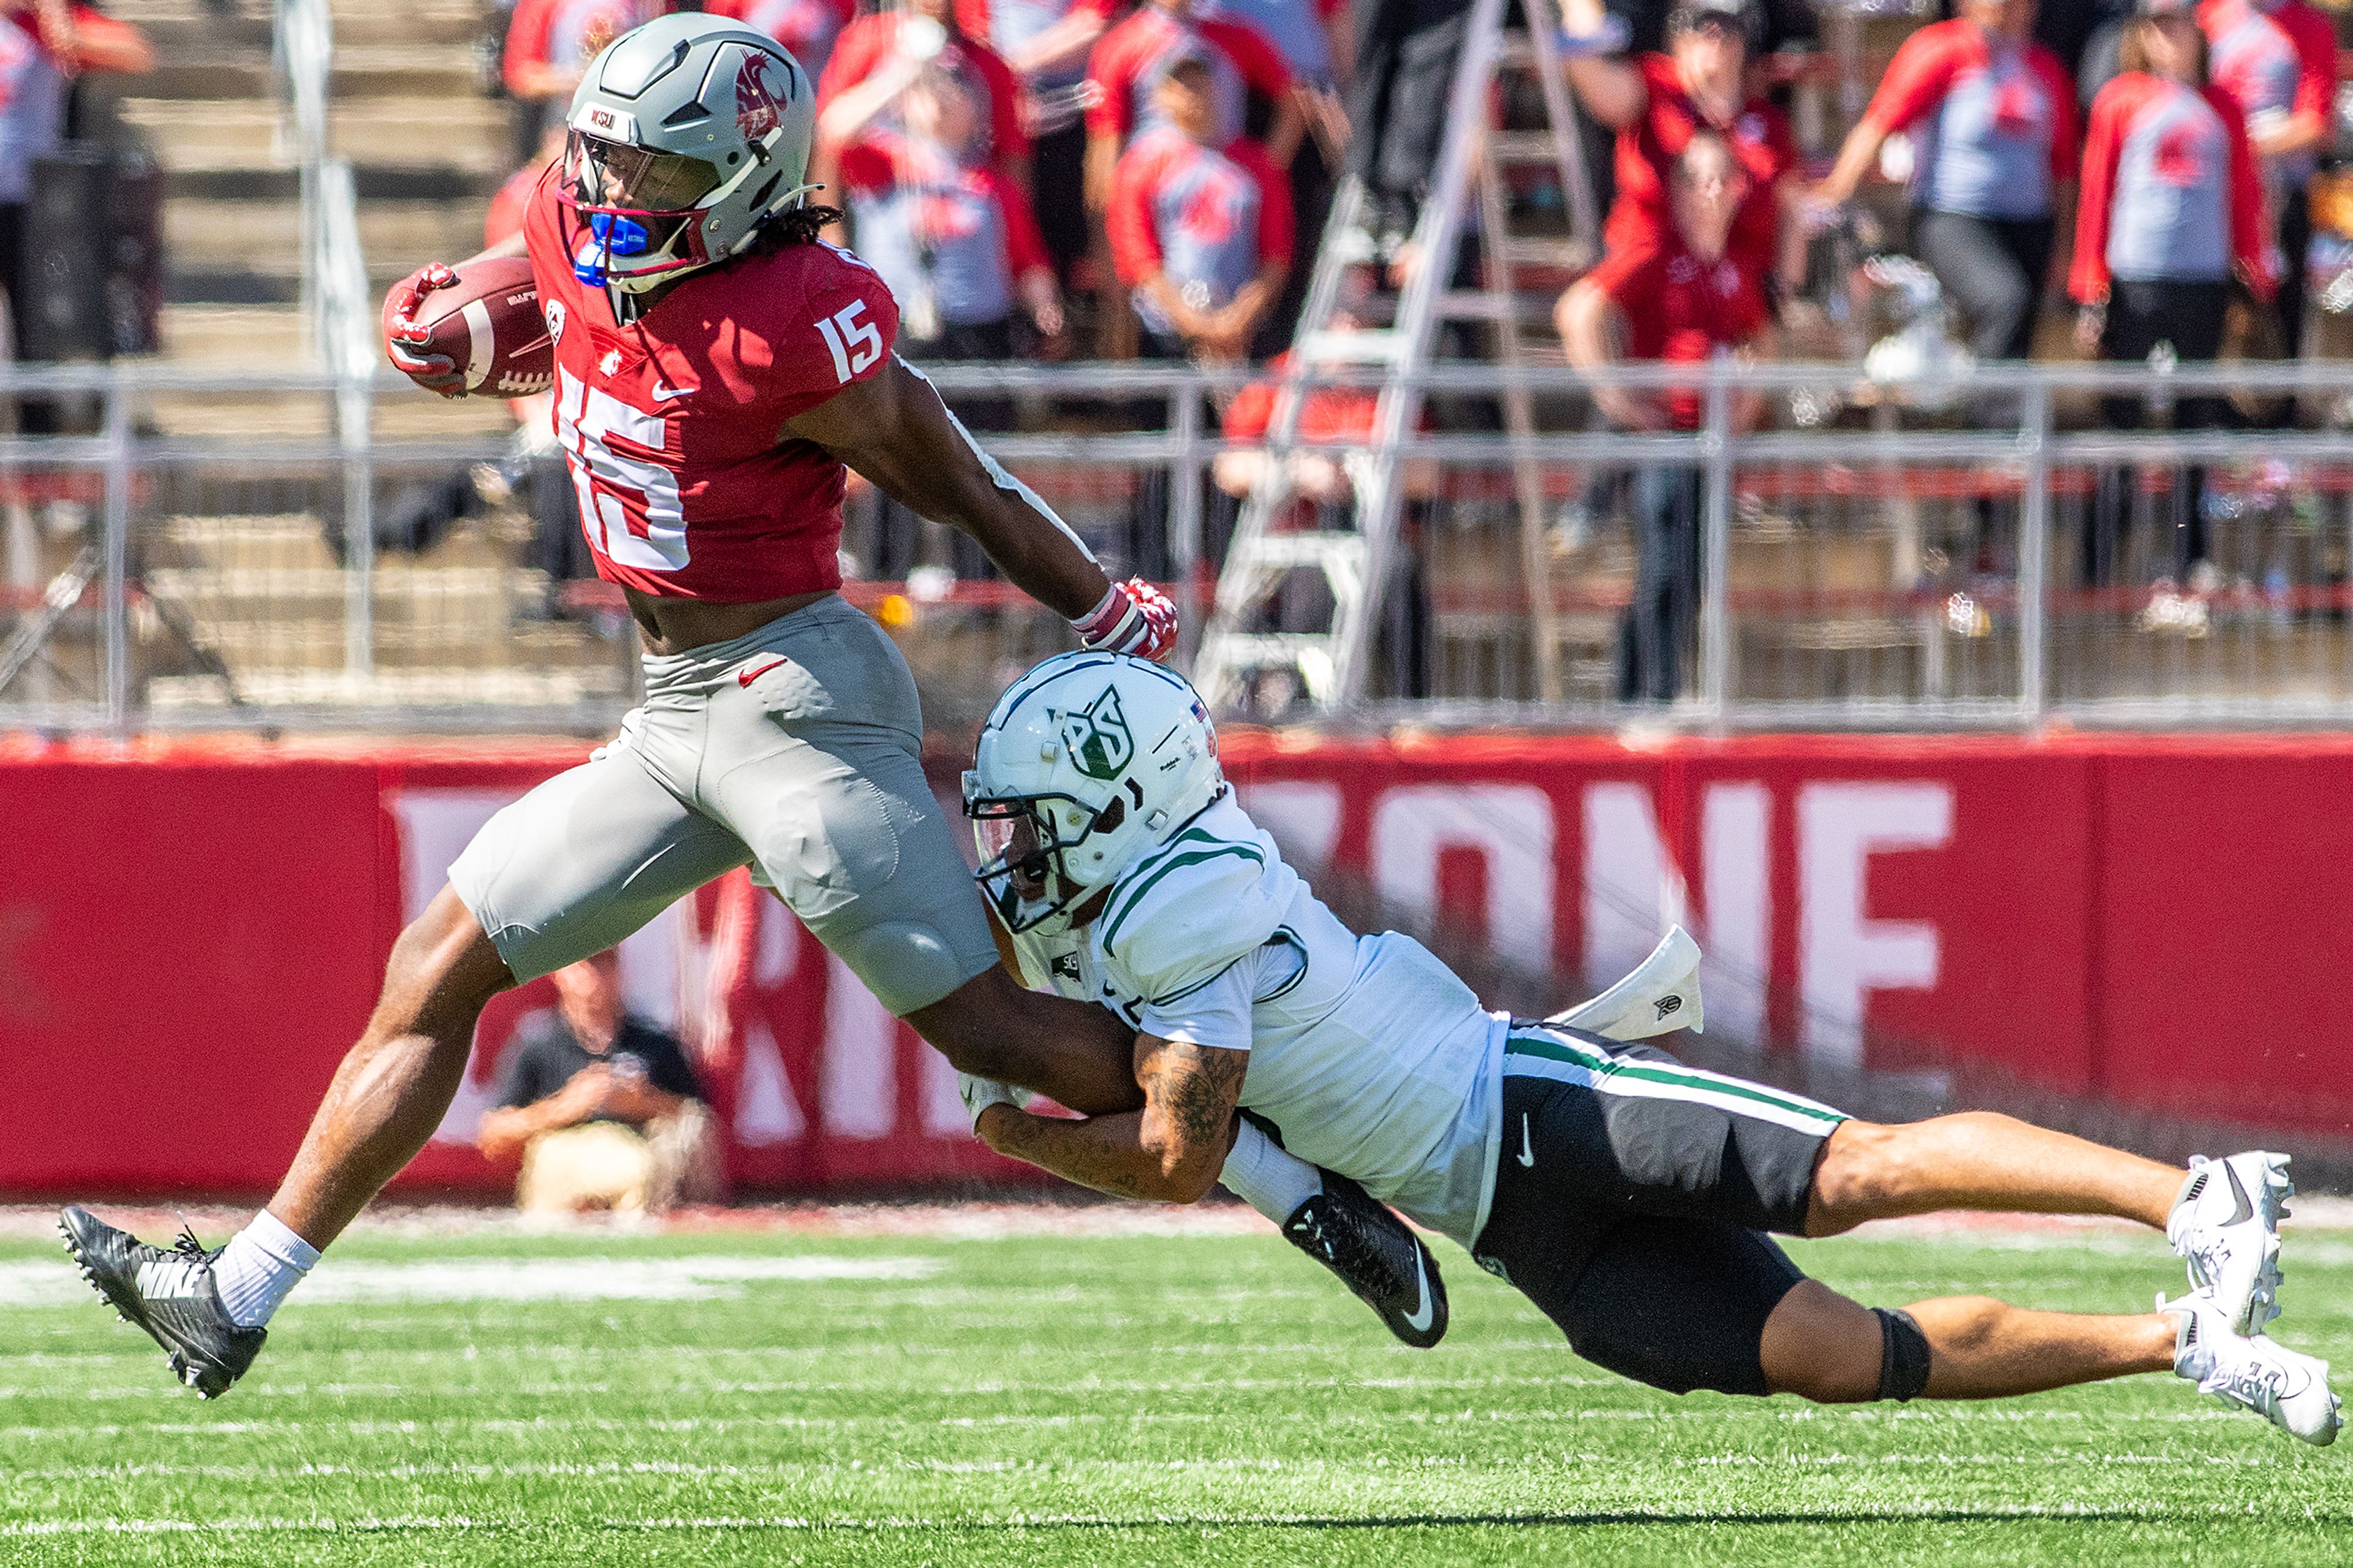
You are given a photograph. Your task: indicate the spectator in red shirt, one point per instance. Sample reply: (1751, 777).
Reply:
(879, 56)
(954, 238)
(806, 27)
(1200, 225)
(549, 44)
(2172, 207)
(1683, 300)
(1127, 65)
(1045, 44)
(2277, 60)
(1658, 102)
(1991, 117)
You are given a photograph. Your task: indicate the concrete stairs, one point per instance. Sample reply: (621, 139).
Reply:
(458, 624)
(237, 558)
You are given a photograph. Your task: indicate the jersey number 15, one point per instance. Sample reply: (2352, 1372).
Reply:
(855, 345)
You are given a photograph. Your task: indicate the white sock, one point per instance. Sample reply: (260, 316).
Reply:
(261, 1263)
(1271, 1180)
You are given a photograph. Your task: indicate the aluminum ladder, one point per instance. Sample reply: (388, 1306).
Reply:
(1329, 667)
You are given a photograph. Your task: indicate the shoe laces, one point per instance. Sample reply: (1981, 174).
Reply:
(2251, 1383)
(186, 1244)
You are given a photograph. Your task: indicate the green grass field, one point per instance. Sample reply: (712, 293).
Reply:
(786, 1396)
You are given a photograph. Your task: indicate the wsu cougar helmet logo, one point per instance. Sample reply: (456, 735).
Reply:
(756, 103)
(1098, 740)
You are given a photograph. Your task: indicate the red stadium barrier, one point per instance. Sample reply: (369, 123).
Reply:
(192, 932)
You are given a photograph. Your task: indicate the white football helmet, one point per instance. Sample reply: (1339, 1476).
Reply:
(687, 134)
(1086, 764)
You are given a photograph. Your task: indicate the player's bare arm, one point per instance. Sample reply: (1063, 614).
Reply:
(893, 429)
(1170, 1151)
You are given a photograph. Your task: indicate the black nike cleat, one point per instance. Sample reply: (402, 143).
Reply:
(1346, 1230)
(170, 1293)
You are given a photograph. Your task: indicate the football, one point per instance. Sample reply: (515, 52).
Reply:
(485, 319)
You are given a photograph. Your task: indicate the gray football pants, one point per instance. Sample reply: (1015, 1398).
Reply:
(796, 748)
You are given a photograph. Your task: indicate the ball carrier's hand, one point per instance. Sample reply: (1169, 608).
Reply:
(1134, 618)
(435, 373)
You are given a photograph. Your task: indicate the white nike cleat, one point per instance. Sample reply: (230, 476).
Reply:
(2286, 1387)
(2225, 1222)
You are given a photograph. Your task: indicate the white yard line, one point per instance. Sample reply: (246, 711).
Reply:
(41, 1283)
(936, 1221)
(971, 1222)
(1925, 1508)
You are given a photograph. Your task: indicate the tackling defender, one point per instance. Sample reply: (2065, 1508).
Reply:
(1629, 1196)
(716, 368)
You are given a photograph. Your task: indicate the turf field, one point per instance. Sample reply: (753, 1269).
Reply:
(1038, 1388)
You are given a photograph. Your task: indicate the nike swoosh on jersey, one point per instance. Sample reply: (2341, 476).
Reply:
(1419, 1319)
(745, 676)
(664, 394)
(1527, 1154)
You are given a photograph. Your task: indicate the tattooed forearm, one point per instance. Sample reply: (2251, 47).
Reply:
(1099, 1151)
(1170, 1151)
(1193, 1090)
(1189, 1094)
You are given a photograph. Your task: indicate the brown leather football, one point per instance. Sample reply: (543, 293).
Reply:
(483, 317)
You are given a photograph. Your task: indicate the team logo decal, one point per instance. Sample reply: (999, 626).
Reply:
(1098, 739)
(553, 311)
(755, 101)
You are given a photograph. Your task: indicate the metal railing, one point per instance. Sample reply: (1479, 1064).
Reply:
(258, 556)
(337, 303)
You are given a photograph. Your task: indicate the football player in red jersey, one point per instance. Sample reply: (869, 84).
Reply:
(716, 368)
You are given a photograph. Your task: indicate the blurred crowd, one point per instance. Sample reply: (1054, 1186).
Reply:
(1040, 179)
(1140, 176)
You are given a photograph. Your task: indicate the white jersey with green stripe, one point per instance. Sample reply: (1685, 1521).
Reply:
(1370, 1055)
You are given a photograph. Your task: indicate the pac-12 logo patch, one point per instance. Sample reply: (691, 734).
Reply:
(1098, 740)
(554, 312)
(755, 102)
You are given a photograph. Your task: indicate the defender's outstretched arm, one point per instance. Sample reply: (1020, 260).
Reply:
(1170, 1151)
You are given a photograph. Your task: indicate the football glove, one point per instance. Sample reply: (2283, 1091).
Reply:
(435, 373)
(1134, 618)
(980, 1093)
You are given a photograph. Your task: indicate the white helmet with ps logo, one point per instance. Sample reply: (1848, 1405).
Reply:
(1084, 764)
